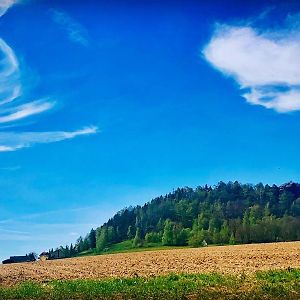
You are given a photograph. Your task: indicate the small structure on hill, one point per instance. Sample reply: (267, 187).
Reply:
(44, 256)
(20, 259)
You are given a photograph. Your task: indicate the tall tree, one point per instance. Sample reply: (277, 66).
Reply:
(92, 239)
(167, 238)
(101, 238)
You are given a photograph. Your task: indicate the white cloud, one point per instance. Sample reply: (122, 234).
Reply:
(7, 148)
(13, 94)
(11, 90)
(266, 62)
(76, 32)
(10, 87)
(9, 63)
(280, 101)
(11, 141)
(5, 5)
(26, 110)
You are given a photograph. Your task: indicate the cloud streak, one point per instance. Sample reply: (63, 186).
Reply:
(5, 5)
(11, 90)
(75, 31)
(10, 87)
(14, 141)
(26, 110)
(263, 62)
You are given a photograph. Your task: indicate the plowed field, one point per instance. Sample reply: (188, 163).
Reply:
(222, 259)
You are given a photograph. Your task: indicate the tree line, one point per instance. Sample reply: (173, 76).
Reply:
(228, 213)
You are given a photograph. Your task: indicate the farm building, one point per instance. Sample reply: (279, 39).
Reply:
(19, 259)
(52, 254)
(44, 256)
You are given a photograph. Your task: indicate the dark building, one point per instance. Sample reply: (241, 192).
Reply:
(19, 259)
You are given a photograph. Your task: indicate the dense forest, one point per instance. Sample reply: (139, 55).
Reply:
(228, 213)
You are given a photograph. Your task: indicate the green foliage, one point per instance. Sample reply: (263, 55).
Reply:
(152, 237)
(138, 241)
(181, 236)
(197, 237)
(127, 247)
(92, 239)
(101, 238)
(119, 247)
(130, 232)
(283, 284)
(167, 238)
(224, 233)
(226, 213)
(79, 244)
(175, 234)
(232, 240)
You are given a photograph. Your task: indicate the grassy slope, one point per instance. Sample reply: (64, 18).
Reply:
(283, 284)
(126, 246)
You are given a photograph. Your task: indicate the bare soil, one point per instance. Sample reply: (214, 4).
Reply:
(223, 259)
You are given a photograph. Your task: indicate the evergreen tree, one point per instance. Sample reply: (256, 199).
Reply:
(92, 239)
(101, 238)
(86, 244)
(80, 244)
(246, 228)
(138, 241)
(232, 240)
(112, 234)
(167, 238)
(72, 250)
(224, 233)
(245, 212)
(152, 237)
(180, 235)
(130, 232)
(196, 237)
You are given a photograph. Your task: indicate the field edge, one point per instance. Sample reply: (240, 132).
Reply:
(272, 284)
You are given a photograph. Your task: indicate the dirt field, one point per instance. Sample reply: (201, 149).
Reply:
(223, 259)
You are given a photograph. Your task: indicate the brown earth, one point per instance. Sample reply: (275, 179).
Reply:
(223, 259)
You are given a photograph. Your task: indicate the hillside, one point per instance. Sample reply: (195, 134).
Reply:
(228, 213)
(230, 260)
(256, 271)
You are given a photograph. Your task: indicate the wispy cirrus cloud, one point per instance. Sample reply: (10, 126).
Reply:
(13, 235)
(264, 62)
(14, 141)
(11, 90)
(10, 87)
(26, 110)
(76, 32)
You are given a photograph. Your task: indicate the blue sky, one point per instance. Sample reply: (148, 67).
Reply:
(107, 104)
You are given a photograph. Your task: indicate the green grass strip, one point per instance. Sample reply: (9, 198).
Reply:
(283, 284)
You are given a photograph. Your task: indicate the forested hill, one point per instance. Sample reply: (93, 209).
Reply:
(227, 213)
